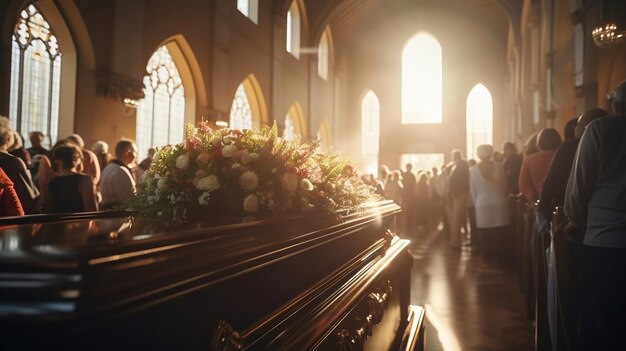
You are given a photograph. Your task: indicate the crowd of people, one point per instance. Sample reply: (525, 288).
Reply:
(468, 199)
(68, 178)
(584, 172)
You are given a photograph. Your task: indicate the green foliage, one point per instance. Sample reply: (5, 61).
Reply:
(249, 173)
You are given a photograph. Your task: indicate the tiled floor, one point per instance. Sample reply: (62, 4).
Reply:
(470, 305)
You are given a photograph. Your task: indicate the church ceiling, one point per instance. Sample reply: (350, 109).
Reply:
(348, 17)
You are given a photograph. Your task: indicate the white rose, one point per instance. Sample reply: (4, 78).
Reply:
(182, 162)
(246, 157)
(204, 198)
(289, 181)
(306, 185)
(156, 157)
(249, 180)
(229, 150)
(228, 139)
(208, 183)
(161, 183)
(250, 204)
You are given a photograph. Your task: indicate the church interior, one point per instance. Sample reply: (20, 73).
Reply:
(383, 83)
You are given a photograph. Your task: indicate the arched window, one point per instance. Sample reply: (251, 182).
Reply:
(240, 112)
(421, 80)
(161, 113)
(290, 130)
(323, 54)
(479, 119)
(35, 75)
(370, 131)
(293, 30)
(250, 9)
(295, 122)
(324, 135)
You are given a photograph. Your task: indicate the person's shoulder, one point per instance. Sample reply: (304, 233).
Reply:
(608, 122)
(90, 155)
(111, 168)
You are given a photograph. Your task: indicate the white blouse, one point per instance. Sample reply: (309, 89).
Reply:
(492, 207)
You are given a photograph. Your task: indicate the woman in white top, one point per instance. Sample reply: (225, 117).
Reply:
(488, 189)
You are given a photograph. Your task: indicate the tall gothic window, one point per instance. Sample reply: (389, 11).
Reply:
(161, 113)
(479, 119)
(240, 112)
(421, 80)
(35, 75)
(323, 55)
(370, 131)
(290, 130)
(293, 30)
(250, 9)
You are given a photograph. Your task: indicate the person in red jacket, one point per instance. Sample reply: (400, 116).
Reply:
(9, 202)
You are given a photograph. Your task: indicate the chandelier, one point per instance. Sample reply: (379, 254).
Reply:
(611, 29)
(608, 34)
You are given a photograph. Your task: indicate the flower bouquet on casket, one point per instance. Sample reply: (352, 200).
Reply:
(245, 175)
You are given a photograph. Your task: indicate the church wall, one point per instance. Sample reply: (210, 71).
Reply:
(603, 68)
(225, 45)
(240, 48)
(114, 40)
(564, 92)
(290, 76)
(375, 63)
(321, 97)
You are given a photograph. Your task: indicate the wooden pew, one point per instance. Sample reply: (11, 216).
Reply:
(519, 205)
(565, 248)
(528, 284)
(540, 242)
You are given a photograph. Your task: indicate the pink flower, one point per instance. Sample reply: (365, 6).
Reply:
(204, 157)
(192, 143)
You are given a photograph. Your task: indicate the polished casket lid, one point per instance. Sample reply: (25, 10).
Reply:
(78, 272)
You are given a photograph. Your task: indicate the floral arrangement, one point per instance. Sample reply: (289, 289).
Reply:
(245, 174)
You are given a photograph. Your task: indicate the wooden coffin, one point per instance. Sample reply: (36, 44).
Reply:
(299, 283)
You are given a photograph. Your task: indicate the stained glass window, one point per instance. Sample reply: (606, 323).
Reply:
(421, 80)
(35, 75)
(370, 131)
(479, 119)
(161, 113)
(290, 130)
(240, 112)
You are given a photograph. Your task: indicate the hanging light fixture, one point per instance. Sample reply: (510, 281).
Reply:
(611, 29)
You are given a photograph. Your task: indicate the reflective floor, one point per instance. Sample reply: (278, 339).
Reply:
(470, 304)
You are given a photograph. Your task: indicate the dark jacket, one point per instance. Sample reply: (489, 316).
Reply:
(459, 179)
(22, 182)
(553, 189)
